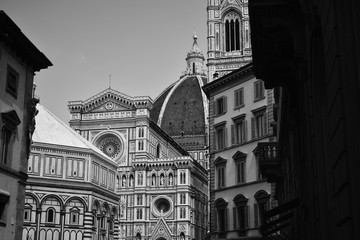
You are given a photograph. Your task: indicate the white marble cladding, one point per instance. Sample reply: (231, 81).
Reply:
(106, 115)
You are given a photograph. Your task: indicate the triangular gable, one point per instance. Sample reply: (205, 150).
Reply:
(108, 99)
(239, 155)
(110, 106)
(161, 230)
(219, 160)
(226, 3)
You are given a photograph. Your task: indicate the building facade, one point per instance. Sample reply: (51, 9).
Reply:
(309, 51)
(19, 60)
(162, 190)
(241, 111)
(70, 193)
(228, 36)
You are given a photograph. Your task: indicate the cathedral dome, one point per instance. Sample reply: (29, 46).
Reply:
(181, 109)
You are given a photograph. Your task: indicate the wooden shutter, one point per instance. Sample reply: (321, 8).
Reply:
(265, 124)
(214, 140)
(215, 220)
(245, 130)
(226, 219)
(234, 218)
(232, 134)
(247, 216)
(225, 104)
(215, 108)
(225, 137)
(252, 128)
(256, 215)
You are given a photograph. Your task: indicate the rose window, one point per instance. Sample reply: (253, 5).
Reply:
(111, 147)
(162, 206)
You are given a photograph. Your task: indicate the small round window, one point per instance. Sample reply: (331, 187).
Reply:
(162, 206)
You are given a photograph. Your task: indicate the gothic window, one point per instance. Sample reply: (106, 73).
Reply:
(141, 145)
(140, 178)
(182, 212)
(232, 32)
(139, 213)
(182, 177)
(141, 132)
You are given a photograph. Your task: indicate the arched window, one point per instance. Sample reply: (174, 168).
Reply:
(222, 216)
(50, 215)
(158, 150)
(138, 236)
(241, 214)
(232, 32)
(261, 205)
(74, 216)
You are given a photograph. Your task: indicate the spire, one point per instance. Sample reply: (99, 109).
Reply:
(195, 59)
(195, 48)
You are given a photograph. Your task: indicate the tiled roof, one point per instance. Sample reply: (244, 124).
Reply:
(51, 130)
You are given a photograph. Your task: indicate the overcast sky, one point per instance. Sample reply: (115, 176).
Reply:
(142, 44)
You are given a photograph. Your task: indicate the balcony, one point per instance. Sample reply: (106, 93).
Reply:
(267, 155)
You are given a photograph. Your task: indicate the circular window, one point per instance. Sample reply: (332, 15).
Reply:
(111, 146)
(162, 206)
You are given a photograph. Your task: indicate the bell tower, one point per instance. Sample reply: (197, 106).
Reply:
(228, 36)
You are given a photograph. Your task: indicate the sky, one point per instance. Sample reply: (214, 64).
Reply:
(142, 44)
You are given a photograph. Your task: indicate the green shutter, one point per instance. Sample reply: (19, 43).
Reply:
(247, 216)
(232, 134)
(214, 140)
(215, 108)
(225, 137)
(245, 131)
(226, 219)
(252, 128)
(265, 124)
(234, 218)
(256, 215)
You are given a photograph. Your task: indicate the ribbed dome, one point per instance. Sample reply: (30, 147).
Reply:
(181, 111)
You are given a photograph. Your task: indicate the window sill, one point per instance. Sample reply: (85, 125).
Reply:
(239, 107)
(259, 99)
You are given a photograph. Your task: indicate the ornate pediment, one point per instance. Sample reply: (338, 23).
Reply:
(161, 230)
(227, 3)
(107, 100)
(110, 106)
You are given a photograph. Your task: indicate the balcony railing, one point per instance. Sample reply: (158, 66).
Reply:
(269, 164)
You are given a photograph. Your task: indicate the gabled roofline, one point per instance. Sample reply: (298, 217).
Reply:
(14, 39)
(227, 78)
